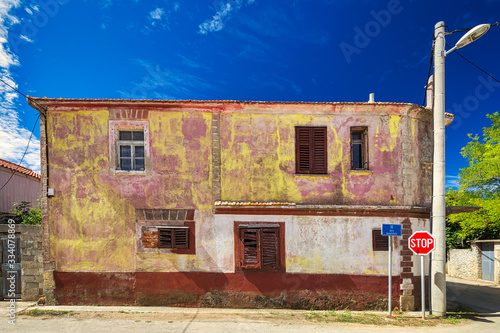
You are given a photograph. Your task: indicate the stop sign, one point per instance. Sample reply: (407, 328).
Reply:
(421, 242)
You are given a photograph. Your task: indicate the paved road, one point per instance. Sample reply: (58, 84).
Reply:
(483, 298)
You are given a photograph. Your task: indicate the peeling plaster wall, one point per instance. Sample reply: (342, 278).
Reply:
(258, 156)
(92, 215)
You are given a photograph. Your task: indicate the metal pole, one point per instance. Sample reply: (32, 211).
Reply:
(438, 277)
(422, 281)
(390, 275)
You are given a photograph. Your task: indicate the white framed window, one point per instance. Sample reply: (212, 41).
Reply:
(131, 150)
(129, 147)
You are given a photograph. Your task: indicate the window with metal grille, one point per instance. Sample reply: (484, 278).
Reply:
(259, 248)
(380, 243)
(310, 150)
(359, 148)
(131, 150)
(173, 238)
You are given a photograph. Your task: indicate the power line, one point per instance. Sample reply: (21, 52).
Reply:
(428, 74)
(26, 96)
(25, 151)
(31, 135)
(467, 29)
(473, 64)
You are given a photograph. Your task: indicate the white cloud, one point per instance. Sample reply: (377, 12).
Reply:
(159, 83)
(26, 38)
(222, 15)
(452, 181)
(156, 14)
(13, 137)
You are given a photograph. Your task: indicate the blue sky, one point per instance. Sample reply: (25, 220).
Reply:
(296, 50)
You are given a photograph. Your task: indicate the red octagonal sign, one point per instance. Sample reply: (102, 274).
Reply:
(421, 242)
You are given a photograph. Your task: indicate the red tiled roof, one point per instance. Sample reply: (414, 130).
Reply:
(99, 101)
(18, 168)
(111, 100)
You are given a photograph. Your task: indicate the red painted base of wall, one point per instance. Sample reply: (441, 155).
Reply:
(247, 290)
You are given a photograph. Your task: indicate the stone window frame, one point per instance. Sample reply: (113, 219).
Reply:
(115, 126)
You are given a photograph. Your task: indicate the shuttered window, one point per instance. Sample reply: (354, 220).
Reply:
(173, 238)
(259, 248)
(380, 242)
(311, 150)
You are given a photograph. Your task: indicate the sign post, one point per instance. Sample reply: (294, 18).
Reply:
(391, 230)
(422, 243)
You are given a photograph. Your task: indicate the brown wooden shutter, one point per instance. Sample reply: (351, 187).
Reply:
(165, 238)
(380, 243)
(181, 238)
(270, 250)
(303, 149)
(319, 150)
(311, 150)
(250, 239)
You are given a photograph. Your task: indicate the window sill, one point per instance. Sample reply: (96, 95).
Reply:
(311, 175)
(360, 172)
(128, 173)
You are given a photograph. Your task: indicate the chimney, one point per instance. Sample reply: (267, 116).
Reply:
(372, 98)
(430, 92)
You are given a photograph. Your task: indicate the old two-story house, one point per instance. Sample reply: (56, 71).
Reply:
(226, 203)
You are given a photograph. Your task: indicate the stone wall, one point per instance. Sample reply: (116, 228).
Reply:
(31, 259)
(465, 263)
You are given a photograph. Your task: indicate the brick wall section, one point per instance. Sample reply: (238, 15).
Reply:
(150, 237)
(48, 265)
(407, 299)
(128, 114)
(31, 259)
(216, 158)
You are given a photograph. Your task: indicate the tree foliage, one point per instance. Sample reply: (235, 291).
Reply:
(479, 186)
(25, 214)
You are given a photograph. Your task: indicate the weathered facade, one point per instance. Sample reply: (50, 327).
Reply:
(223, 203)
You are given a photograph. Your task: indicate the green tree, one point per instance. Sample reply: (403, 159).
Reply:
(479, 186)
(25, 214)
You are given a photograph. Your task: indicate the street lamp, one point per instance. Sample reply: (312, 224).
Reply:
(438, 276)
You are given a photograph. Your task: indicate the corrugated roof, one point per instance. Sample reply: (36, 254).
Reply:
(18, 168)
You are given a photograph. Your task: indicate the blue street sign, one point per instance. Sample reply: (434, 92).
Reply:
(391, 229)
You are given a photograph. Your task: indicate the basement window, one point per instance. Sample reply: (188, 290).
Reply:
(359, 148)
(379, 242)
(259, 247)
(310, 150)
(173, 237)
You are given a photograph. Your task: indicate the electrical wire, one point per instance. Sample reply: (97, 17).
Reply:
(31, 135)
(25, 151)
(467, 29)
(26, 96)
(473, 64)
(428, 74)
